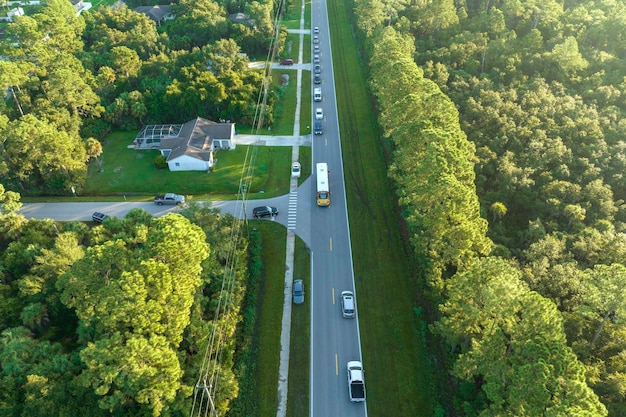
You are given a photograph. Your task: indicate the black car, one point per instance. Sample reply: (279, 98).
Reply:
(99, 217)
(264, 211)
(318, 127)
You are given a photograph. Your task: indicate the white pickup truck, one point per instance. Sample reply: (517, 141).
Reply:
(356, 384)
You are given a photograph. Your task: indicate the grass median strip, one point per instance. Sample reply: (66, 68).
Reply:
(400, 375)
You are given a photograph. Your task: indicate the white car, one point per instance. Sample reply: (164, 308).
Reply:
(295, 170)
(347, 304)
(319, 113)
(316, 30)
(316, 39)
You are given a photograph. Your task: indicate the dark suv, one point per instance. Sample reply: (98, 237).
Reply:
(264, 211)
(98, 217)
(318, 127)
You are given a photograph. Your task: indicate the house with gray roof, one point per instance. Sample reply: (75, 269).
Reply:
(192, 148)
(159, 13)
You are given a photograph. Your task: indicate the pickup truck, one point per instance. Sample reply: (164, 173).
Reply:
(169, 198)
(356, 384)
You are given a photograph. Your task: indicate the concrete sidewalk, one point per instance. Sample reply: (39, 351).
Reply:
(264, 140)
(285, 334)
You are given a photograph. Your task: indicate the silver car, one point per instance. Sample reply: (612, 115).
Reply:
(347, 304)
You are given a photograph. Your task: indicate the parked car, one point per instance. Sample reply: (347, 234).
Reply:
(316, 59)
(286, 62)
(317, 69)
(318, 129)
(317, 79)
(296, 169)
(347, 304)
(98, 217)
(316, 39)
(298, 291)
(319, 113)
(316, 30)
(264, 211)
(316, 49)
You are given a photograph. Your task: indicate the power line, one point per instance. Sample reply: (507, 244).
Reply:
(207, 384)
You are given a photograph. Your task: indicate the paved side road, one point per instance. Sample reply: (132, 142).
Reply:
(65, 212)
(83, 211)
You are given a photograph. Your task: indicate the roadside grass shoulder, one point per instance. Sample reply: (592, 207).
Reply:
(300, 341)
(306, 109)
(400, 374)
(270, 310)
(285, 106)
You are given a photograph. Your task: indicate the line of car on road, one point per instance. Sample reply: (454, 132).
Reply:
(317, 69)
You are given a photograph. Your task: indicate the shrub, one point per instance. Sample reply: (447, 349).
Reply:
(160, 162)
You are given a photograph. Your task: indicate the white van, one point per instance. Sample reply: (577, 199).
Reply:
(317, 94)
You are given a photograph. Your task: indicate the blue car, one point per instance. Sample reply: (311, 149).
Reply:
(298, 292)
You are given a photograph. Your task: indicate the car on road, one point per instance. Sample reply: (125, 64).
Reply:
(98, 217)
(317, 79)
(286, 62)
(169, 198)
(264, 211)
(317, 94)
(319, 113)
(296, 170)
(317, 69)
(347, 304)
(316, 59)
(316, 49)
(298, 291)
(318, 129)
(316, 39)
(316, 30)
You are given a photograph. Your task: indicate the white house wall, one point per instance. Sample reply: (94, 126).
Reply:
(187, 163)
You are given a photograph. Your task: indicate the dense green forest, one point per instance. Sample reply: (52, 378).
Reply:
(70, 80)
(114, 320)
(512, 113)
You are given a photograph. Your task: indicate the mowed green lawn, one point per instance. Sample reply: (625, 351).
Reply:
(132, 173)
